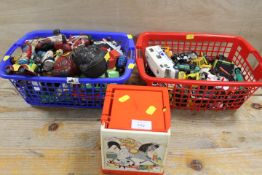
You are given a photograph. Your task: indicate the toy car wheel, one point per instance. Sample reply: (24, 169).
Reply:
(21, 69)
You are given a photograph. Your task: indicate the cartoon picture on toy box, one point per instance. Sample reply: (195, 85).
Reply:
(130, 154)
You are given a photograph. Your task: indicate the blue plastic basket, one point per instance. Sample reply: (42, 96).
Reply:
(67, 91)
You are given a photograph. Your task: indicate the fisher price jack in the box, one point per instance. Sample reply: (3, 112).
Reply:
(135, 130)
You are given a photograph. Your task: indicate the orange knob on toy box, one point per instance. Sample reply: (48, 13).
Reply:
(135, 130)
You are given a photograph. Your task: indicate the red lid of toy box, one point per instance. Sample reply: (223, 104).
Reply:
(142, 108)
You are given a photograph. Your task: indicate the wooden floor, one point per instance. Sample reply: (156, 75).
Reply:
(41, 141)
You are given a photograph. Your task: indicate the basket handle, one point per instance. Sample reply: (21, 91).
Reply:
(258, 68)
(4, 62)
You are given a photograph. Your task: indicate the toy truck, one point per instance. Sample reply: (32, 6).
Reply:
(201, 62)
(188, 68)
(184, 57)
(160, 64)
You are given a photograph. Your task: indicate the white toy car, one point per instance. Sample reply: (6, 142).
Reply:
(160, 64)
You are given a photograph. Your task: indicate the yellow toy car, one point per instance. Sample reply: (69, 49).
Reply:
(24, 69)
(182, 75)
(167, 51)
(193, 76)
(201, 62)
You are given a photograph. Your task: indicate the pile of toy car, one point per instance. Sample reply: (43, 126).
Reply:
(162, 63)
(189, 65)
(76, 56)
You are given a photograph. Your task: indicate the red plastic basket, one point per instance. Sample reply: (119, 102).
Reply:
(200, 94)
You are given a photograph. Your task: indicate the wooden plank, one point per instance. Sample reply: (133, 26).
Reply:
(224, 161)
(227, 142)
